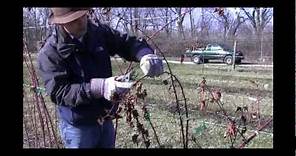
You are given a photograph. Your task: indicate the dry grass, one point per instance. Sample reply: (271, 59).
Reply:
(236, 90)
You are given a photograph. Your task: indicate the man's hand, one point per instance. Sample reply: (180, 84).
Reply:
(151, 65)
(106, 87)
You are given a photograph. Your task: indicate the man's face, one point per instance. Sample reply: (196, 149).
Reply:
(77, 27)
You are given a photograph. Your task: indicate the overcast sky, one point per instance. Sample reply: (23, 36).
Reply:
(197, 15)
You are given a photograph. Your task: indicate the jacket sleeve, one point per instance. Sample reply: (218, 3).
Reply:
(130, 48)
(56, 80)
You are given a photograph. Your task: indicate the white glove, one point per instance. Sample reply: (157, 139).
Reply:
(151, 65)
(106, 87)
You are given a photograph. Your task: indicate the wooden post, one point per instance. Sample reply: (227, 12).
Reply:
(261, 52)
(233, 57)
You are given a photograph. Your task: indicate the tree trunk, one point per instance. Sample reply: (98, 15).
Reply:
(203, 25)
(36, 32)
(180, 22)
(137, 21)
(167, 29)
(131, 21)
(124, 22)
(192, 24)
(144, 24)
(259, 19)
(171, 26)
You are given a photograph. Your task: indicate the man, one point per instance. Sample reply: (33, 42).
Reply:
(75, 66)
(182, 58)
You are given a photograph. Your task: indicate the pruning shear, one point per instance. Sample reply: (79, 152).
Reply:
(127, 77)
(124, 81)
(124, 78)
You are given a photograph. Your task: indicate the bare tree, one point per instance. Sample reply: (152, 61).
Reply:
(104, 15)
(131, 21)
(31, 30)
(123, 15)
(44, 14)
(153, 21)
(166, 18)
(236, 23)
(192, 27)
(229, 21)
(259, 18)
(137, 21)
(145, 15)
(180, 20)
(204, 23)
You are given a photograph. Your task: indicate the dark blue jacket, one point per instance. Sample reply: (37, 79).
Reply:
(67, 66)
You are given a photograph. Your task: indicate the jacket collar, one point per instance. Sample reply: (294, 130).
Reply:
(65, 44)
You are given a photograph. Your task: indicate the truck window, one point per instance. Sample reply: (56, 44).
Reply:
(216, 48)
(209, 47)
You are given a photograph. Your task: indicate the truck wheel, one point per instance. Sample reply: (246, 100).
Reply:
(196, 59)
(228, 60)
